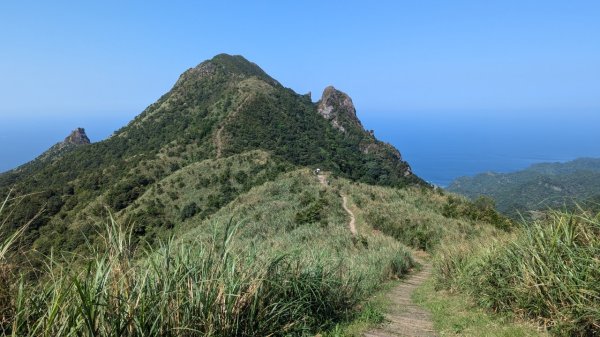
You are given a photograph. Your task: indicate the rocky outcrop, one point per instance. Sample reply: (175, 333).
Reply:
(77, 137)
(337, 107)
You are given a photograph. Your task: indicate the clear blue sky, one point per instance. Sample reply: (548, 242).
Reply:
(62, 57)
(113, 58)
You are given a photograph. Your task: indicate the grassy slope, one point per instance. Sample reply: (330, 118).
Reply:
(270, 223)
(546, 271)
(416, 217)
(288, 231)
(290, 266)
(297, 215)
(456, 314)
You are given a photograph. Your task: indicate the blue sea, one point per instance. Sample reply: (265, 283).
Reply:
(440, 146)
(22, 138)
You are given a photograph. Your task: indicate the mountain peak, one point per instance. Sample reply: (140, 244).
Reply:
(228, 65)
(337, 107)
(74, 140)
(77, 137)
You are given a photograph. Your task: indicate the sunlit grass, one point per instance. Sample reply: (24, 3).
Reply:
(220, 283)
(548, 272)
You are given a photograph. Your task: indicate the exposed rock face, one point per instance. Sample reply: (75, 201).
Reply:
(77, 137)
(338, 108)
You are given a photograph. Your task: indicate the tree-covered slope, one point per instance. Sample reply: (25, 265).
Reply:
(223, 107)
(539, 187)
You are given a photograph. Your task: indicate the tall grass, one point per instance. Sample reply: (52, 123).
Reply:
(201, 289)
(7, 241)
(416, 217)
(549, 272)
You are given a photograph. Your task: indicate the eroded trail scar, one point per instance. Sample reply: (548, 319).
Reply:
(352, 223)
(406, 319)
(218, 140)
(322, 180)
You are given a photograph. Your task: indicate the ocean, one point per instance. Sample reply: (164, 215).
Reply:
(23, 138)
(439, 146)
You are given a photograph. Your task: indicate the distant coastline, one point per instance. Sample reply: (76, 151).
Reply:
(442, 146)
(439, 149)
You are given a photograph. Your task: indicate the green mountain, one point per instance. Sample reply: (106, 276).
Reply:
(204, 217)
(223, 107)
(537, 188)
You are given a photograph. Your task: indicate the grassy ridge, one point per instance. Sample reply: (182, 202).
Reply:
(274, 273)
(548, 271)
(289, 265)
(419, 217)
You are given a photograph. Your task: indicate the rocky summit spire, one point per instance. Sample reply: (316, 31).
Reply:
(77, 137)
(337, 107)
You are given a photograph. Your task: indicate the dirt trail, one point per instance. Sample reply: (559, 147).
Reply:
(352, 224)
(218, 139)
(406, 319)
(322, 180)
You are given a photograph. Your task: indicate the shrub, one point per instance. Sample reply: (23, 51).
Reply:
(314, 212)
(189, 211)
(482, 209)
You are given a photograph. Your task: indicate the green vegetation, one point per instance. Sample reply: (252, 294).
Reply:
(537, 188)
(419, 217)
(548, 271)
(371, 314)
(188, 290)
(218, 279)
(455, 314)
(218, 227)
(226, 100)
(270, 273)
(7, 269)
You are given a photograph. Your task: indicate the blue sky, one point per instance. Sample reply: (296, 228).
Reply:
(78, 61)
(63, 57)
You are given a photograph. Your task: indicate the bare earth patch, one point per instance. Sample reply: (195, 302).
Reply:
(405, 318)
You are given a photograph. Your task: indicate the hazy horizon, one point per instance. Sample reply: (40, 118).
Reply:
(438, 150)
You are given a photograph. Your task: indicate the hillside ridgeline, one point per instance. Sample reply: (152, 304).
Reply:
(223, 107)
(537, 188)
